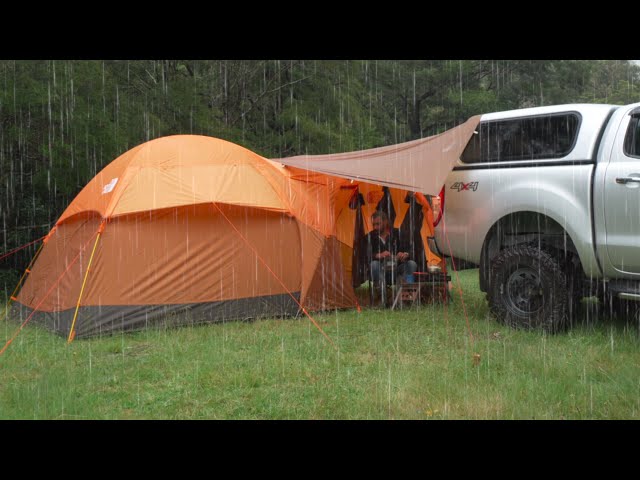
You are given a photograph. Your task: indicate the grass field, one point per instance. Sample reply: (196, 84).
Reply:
(411, 364)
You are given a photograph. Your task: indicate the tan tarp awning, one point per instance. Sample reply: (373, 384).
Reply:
(420, 165)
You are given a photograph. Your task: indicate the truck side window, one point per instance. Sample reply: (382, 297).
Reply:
(528, 138)
(632, 138)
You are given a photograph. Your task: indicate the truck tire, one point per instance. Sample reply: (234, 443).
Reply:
(528, 289)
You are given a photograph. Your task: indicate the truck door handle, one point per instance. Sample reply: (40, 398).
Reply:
(625, 180)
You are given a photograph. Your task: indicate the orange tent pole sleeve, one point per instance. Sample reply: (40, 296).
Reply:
(84, 282)
(51, 232)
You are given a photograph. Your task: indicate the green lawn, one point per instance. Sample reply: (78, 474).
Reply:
(413, 364)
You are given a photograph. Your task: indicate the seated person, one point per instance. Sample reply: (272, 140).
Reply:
(384, 251)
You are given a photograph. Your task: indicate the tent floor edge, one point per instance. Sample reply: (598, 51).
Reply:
(112, 319)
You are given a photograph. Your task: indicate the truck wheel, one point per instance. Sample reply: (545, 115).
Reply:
(529, 289)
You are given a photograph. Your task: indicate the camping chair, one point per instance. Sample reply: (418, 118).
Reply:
(362, 272)
(387, 280)
(365, 272)
(429, 284)
(426, 287)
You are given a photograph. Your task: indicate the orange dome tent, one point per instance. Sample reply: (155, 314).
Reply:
(187, 223)
(202, 227)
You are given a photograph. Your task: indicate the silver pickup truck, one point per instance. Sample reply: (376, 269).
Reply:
(547, 202)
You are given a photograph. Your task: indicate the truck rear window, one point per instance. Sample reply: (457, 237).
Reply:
(529, 138)
(632, 138)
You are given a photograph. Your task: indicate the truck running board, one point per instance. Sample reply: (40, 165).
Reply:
(624, 289)
(629, 296)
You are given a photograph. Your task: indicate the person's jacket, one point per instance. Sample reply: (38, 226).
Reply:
(375, 245)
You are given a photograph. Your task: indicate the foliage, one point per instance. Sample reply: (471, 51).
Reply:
(62, 121)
